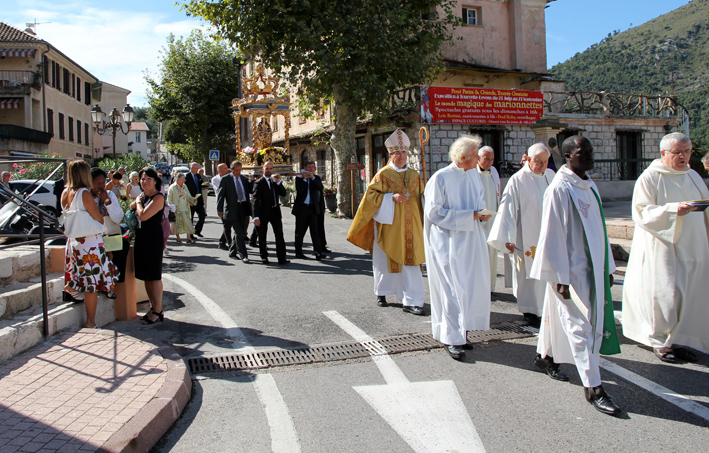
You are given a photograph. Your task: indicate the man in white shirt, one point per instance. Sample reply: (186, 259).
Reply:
(455, 246)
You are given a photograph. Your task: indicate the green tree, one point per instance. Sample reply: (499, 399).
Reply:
(196, 82)
(146, 115)
(352, 53)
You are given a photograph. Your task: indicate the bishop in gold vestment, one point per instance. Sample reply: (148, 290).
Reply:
(389, 225)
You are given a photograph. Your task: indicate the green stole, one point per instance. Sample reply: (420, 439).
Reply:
(610, 344)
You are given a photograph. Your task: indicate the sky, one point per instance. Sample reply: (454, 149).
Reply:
(118, 42)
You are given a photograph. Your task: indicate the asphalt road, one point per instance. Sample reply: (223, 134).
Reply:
(423, 401)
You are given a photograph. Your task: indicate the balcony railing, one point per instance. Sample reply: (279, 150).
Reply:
(617, 104)
(10, 131)
(18, 81)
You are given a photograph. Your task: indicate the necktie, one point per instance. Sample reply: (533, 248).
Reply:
(239, 189)
(307, 196)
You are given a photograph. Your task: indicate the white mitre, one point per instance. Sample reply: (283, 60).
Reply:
(398, 141)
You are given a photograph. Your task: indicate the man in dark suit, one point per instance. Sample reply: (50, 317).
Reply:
(235, 190)
(267, 210)
(194, 185)
(307, 208)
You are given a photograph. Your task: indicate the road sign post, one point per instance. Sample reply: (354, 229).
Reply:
(213, 154)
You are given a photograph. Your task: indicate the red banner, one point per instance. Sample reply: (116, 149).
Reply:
(480, 106)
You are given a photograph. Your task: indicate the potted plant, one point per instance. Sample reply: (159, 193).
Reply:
(331, 199)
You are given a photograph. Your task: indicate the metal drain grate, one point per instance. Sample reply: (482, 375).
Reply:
(345, 351)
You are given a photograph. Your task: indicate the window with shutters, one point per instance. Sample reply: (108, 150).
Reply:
(78, 89)
(50, 121)
(71, 129)
(66, 81)
(87, 93)
(61, 126)
(78, 131)
(55, 79)
(73, 85)
(472, 15)
(86, 133)
(47, 71)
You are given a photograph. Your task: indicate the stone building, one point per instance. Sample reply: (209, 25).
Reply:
(502, 49)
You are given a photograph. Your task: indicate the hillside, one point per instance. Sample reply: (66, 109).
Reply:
(669, 54)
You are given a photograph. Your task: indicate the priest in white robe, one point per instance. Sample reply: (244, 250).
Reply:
(574, 257)
(666, 286)
(515, 229)
(491, 183)
(456, 248)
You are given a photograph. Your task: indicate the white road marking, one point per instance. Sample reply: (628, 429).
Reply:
(283, 435)
(682, 401)
(429, 416)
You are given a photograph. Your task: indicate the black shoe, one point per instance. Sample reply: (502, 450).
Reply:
(318, 256)
(301, 256)
(199, 234)
(418, 311)
(382, 301)
(550, 368)
(223, 246)
(245, 260)
(253, 245)
(265, 260)
(456, 352)
(283, 262)
(532, 319)
(601, 401)
(326, 250)
(234, 257)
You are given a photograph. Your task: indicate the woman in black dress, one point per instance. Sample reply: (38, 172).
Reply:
(149, 241)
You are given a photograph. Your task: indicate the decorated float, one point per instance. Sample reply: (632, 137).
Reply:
(262, 105)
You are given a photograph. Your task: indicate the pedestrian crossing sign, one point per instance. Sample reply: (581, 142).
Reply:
(213, 154)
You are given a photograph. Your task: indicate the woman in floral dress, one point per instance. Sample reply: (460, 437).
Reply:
(88, 268)
(182, 199)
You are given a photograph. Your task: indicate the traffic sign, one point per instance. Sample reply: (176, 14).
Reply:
(213, 154)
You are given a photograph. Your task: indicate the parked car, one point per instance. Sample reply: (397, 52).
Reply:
(45, 195)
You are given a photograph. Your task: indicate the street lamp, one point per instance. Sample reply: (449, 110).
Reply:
(113, 123)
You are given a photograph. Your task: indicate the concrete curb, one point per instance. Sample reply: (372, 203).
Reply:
(155, 418)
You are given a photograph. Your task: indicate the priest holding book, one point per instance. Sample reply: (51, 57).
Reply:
(666, 285)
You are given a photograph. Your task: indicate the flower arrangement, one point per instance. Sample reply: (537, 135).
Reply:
(256, 157)
(330, 191)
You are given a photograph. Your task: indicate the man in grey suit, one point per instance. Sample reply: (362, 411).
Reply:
(234, 207)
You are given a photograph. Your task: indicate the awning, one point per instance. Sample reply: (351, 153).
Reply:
(12, 103)
(19, 53)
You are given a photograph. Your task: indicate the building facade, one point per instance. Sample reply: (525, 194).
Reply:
(45, 98)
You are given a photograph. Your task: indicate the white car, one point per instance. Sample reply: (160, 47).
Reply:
(43, 196)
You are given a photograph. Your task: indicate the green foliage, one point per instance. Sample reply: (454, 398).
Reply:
(197, 81)
(146, 115)
(37, 170)
(667, 55)
(353, 54)
(131, 162)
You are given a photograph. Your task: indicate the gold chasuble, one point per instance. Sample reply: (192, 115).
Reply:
(402, 241)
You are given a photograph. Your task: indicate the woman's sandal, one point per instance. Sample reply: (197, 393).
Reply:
(685, 354)
(72, 295)
(179, 241)
(160, 317)
(665, 354)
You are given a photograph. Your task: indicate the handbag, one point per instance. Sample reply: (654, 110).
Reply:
(171, 217)
(78, 223)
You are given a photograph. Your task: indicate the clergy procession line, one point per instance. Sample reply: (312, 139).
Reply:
(552, 227)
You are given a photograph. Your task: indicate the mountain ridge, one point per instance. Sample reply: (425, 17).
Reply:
(667, 55)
